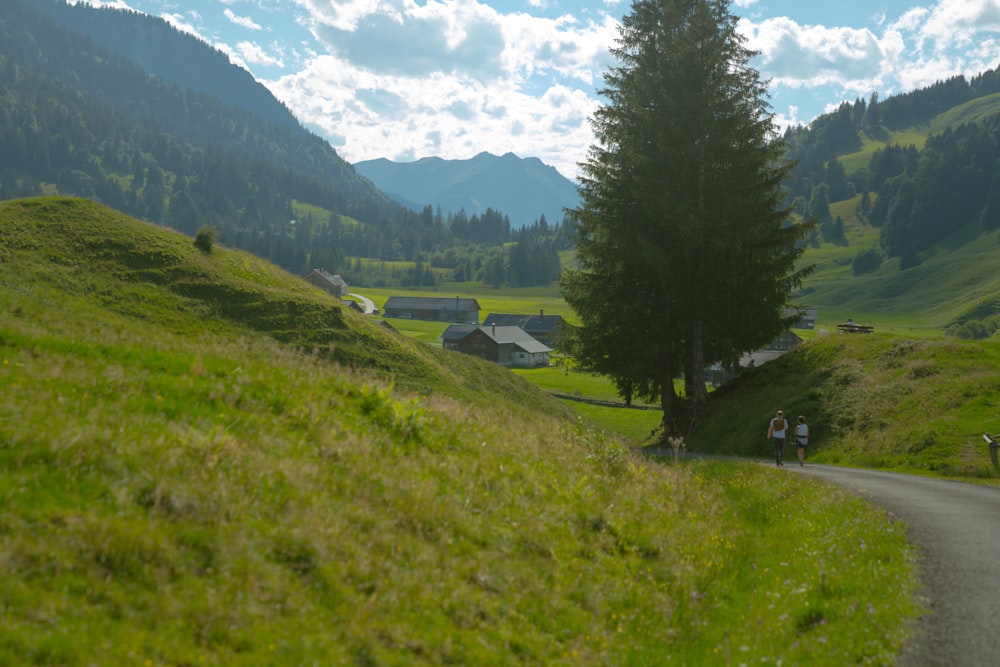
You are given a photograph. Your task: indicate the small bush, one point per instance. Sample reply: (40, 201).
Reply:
(205, 239)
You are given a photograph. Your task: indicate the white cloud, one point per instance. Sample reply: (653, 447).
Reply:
(806, 56)
(255, 54)
(181, 23)
(954, 23)
(924, 45)
(101, 4)
(242, 21)
(450, 78)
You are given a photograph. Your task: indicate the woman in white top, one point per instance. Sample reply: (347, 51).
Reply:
(801, 440)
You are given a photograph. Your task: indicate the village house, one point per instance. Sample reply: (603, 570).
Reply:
(509, 346)
(454, 309)
(807, 317)
(454, 334)
(333, 284)
(546, 329)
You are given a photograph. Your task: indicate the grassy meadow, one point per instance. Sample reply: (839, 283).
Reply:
(206, 461)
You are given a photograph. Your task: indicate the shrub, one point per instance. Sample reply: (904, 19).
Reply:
(205, 239)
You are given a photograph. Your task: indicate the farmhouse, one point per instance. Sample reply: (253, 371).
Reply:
(457, 309)
(453, 335)
(510, 346)
(807, 317)
(546, 329)
(333, 284)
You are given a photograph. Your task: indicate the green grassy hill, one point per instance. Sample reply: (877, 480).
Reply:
(955, 284)
(881, 401)
(972, 111)
(206, 461)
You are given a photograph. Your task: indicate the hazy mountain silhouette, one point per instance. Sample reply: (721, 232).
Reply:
(524, 189)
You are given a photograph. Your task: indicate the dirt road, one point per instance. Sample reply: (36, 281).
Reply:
(956, 528)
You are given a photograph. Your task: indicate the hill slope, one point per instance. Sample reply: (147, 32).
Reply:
(82, 119)
(182, 488)
(176, 57)
(923, 264)
(877, 401)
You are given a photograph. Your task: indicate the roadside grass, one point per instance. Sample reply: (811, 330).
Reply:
(184, 488)
(879, 401)
(562, 378)
(636, 425)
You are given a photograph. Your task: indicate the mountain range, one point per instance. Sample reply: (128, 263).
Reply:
(523, 189)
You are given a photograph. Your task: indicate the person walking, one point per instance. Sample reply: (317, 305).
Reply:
(801, 439)
(776, 434)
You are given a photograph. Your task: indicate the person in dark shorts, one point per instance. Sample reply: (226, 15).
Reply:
(801, 439)
(776, 434)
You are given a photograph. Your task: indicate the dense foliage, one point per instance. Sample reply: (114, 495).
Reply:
(686, 256)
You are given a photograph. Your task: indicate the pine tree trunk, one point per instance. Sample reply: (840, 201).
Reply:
(667, 401)
(698, 394)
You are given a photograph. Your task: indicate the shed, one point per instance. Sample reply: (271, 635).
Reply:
(333, 284)
(457, 309)
(455, 333)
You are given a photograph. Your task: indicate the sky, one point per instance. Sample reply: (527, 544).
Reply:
(408, 79)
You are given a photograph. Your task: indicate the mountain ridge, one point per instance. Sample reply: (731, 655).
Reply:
(193, 64)
(521, 188)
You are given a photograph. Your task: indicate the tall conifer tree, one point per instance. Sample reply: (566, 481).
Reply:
(686, 255)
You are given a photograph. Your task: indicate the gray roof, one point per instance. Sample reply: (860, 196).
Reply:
(330, 278)
(457, 332)
(432, 303)
(538, 323)
(516, 336)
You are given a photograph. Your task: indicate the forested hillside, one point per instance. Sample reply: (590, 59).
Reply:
(193, 64)
(926, 164)
(80, 118)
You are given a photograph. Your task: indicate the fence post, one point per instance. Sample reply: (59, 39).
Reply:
(992, 442)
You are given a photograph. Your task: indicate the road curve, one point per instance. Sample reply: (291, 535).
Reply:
(366, 304)
(956, 528)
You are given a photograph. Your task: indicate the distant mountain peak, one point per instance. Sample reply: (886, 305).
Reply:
(523, 189)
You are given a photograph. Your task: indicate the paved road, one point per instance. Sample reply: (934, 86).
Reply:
(956, 528)
(366, 304)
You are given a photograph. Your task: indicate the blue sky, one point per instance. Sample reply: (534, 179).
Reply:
(405, 79)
